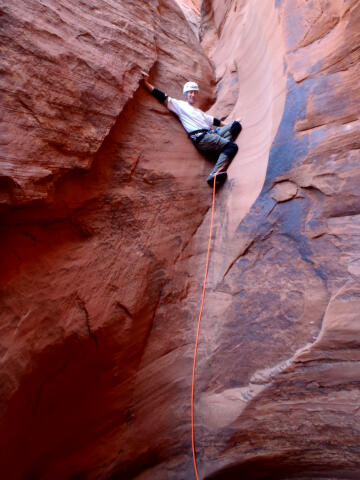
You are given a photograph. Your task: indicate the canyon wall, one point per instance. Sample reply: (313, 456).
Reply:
(87, 247)
(283, 313)
(104, 225)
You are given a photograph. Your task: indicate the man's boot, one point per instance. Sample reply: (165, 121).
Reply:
(224, 160)
(222, 165)
(220, 179)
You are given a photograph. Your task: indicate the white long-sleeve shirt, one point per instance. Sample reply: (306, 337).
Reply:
(192, 118)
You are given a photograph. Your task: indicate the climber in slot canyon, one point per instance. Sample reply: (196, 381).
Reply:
(199, 125)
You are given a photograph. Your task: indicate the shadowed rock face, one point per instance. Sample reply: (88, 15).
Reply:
(104, 230)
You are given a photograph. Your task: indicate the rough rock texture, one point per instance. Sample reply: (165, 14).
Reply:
(82, 270)
(103, 239)
(191, 9)
(65, 79)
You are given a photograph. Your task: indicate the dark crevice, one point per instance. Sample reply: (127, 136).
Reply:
(83, 308)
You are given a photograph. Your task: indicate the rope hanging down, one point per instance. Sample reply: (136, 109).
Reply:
(198, 326)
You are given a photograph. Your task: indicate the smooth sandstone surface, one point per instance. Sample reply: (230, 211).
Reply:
(104, 226)
(285, 307)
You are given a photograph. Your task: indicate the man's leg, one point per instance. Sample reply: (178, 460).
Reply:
(224, 160)
(230, 131)
(216, 143)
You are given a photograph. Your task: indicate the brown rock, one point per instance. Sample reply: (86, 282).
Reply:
(284, 191)
(101, 282)
(82, 275)
(191, 9)
(66, 77)
(286, 406)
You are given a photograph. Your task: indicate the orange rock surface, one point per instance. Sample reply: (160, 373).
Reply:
(104, 225)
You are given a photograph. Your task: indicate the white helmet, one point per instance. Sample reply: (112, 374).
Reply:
(190, 86)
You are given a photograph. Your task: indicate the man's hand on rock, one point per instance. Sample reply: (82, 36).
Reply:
(145, 80)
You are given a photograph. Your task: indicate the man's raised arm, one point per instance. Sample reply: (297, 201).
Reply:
(155, 92)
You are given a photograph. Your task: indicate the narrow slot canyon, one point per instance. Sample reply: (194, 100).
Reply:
(104, 218)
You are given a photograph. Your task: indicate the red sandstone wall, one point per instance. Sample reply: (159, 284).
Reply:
(104, 223)
(283, 310)
(85, 252)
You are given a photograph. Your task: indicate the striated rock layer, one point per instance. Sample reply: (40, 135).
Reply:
(83, 267)
(104, 230)
(63, 85)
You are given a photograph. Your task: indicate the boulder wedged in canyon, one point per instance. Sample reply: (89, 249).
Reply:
(103, 255)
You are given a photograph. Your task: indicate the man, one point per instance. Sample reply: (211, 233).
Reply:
(199, 127)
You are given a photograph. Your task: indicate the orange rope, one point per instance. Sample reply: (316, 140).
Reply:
(198, 327)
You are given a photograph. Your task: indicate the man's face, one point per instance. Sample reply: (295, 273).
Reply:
(192, 97)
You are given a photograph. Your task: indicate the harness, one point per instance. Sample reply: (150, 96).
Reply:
(197, 135)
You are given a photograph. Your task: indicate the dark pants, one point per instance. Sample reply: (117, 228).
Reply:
(221, 140)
